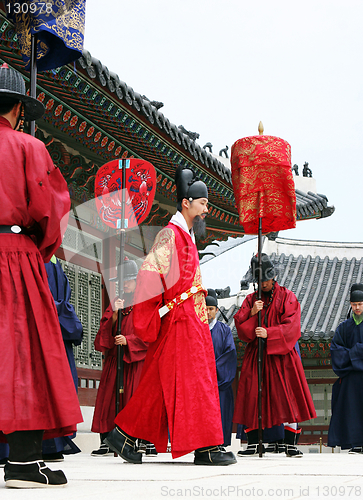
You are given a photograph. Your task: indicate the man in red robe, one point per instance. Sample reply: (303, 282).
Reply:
(36, 386)
(178, 390)
(134, 353)
(285, 392)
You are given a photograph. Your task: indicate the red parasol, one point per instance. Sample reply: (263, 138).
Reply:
(140, 184)
(263, 183)
(124, 194)
(264, 190)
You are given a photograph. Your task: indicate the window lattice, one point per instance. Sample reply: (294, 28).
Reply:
(87, 301)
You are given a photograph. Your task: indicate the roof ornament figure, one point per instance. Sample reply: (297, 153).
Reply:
(224, 150)
(307, 172)
(295, 169)
(156, 104)
(208, 145)
(223, 293)
(193, 135)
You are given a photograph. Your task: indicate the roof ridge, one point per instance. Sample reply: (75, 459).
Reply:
(326, 293)
(335, 294)
(316, 293)
(311, 281)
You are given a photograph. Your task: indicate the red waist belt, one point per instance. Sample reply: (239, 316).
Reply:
(180, 299)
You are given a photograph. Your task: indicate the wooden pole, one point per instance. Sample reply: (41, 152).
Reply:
(260, 340)
(33, 76)
(259, 319)
(120, 279)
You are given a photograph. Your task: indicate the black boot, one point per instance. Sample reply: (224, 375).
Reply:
(276, 447)
(103, 450)
(141, 446)
(252, 445)
(291, 439)
(25, 467)
(150, 450)
(213, 455)
(124, 445)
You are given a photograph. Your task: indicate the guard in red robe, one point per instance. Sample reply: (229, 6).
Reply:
(134, 352)
(36, 385)
(285, 392)
(178, 389)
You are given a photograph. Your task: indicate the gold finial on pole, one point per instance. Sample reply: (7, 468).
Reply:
(260, 128)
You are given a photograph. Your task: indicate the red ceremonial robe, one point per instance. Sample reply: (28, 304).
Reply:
(134, 356)
(36, 385)
(178, 389)
(285, 392)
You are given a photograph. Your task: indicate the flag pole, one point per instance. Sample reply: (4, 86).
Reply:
(120, 279)
(259, 319)
(33, 75)
(260, 340)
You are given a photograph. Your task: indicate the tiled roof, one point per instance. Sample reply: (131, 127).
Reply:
(308, 204)
(322, 286)
(96, 70)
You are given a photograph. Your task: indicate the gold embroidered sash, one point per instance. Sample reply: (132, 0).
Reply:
(180, 299)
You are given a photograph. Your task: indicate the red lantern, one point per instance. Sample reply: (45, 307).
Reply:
(263, 183)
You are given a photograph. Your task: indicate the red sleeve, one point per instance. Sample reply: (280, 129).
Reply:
(282, 338)
(246, 324)
(104, 339)
(160, 267)
(135, 349)
(147, 320)
(48, 197)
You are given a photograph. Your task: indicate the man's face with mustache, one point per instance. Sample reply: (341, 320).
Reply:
(198, 207)
(197, 211)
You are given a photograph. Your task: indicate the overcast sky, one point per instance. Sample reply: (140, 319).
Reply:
(221, 66)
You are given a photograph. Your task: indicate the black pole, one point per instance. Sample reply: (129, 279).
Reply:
(260, 340)
(120, 279)
(33, 76)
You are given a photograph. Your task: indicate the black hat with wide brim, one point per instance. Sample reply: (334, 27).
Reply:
(130, 269)
(211, 298)
(270, 270)
(12, 85)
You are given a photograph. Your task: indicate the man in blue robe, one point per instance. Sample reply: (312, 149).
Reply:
(226, 363)
(346, 424)
(72, 333)
(4, 453)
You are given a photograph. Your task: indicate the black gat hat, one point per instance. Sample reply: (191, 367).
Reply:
(269, 269)
(211, 298)
(188, 185)
(356, 292)
(12, 85)
(130, 269)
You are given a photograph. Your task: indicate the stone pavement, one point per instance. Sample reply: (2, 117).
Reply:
(273, 476)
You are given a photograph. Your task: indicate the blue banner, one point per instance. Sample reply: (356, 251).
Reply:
(58, 24)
